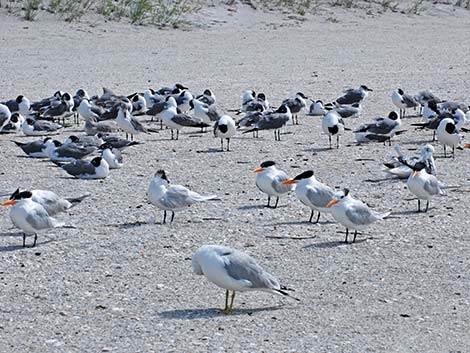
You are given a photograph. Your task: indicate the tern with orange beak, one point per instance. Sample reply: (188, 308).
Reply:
(352, 213)
(31, 217)
(270, 180)
(423, 184)
(311, 192)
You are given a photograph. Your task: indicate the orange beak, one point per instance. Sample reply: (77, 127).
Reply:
(289, 182)
(415, 173)
(467, 145)
(259, 170)
(9, 203)
(332, 202)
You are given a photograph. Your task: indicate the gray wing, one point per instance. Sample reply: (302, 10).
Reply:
(176, 197)
(352, 96)
(409, 101)
(56, 111)
(185, 120)
(212, 113)
(250, 119)
(277, 184)
(432, 186)
(79, 167)
(31, 147)
(156, 109)
(320, 196)
(74, 151)
(360, 214)
(137, 125)
(272, 121)
(39, 218)
(44, 125)
(382, 127)
(243, 267)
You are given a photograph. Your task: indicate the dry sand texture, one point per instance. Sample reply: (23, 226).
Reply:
(115, 284)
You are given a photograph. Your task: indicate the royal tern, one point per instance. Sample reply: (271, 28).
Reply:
(311, 192)
(234, 271)
(402, 171)
(31, 217)
(270, 180)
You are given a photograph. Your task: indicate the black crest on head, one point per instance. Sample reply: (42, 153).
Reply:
(346, 191)
(261, 96)
(400, 91)
(161, 173)
(66, 97)
(207, 92)
(73, 138)
(301, 95)
(21, 195)
(305, 175)
(419, 166)
(267, 164)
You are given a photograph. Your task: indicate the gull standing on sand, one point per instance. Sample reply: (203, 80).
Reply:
(176, 121)
(448, 134)
(172, 197)
(403, 101)
(29, 216)
(207, 97)
(352, 213)
(317, 108)
(234, 271)
(224, 128)
(333, 124)
(312, 193)
(296, 104)
(128, 123)
(270, 180)
(273, 121)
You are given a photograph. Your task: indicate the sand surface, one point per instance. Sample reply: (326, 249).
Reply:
(116, 283)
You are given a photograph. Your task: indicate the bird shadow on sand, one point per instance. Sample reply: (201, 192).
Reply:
(260, 207)
(189, 314)
(129, 225)
(9, 248)
(407, 212)
(300, 223)
(318, 149)
(334, 244)
(211, 150)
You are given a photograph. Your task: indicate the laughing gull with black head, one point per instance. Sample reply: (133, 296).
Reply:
(296, 104)
(273, 121)
(353, 95)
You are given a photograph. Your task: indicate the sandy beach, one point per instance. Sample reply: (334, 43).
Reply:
(117, 283)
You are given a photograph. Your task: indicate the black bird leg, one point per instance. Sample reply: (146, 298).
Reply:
(277, 200)
(318, 217)
(427, 206)
(24, 240)
(355, 234)
(172, 216)
(337, 141)
(329, 139)
(311, 216)
(222, 144)
(35, 239)
(347, 233)
(228, 144)
(164, 217)
(269, 201)
(419, 205)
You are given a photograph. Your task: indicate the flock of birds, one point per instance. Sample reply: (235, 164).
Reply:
(177, 108)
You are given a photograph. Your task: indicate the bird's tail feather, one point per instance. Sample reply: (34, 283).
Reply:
(250, 130)
(76, 200)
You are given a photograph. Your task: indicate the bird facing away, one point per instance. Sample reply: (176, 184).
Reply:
(234, 271)
(225, 128)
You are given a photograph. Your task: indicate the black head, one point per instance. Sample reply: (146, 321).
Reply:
(267, 164)
(450, 128)
(96, 161)
(180, 86)
(105, 145)
(30, 121)
(305, 175)
(356, 105)
(46, 139)
(80, 93)
(135, 98)
(261, 96)
(432, 104)
(15, 117)
(100, 135)
(19, 99)
(176, 91)
(66, 97)
(57, 143)
(400, 91)
(73, 138)
(253, 93)
(365, 88)
(393, 115)
(282, 109)
(58, 94)
(453, 111)
(346, 192)
(17, 195)
(207, 92)
(161, 173)
(319, 101)
(300, 94)
(419, 166)
(191, 104)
